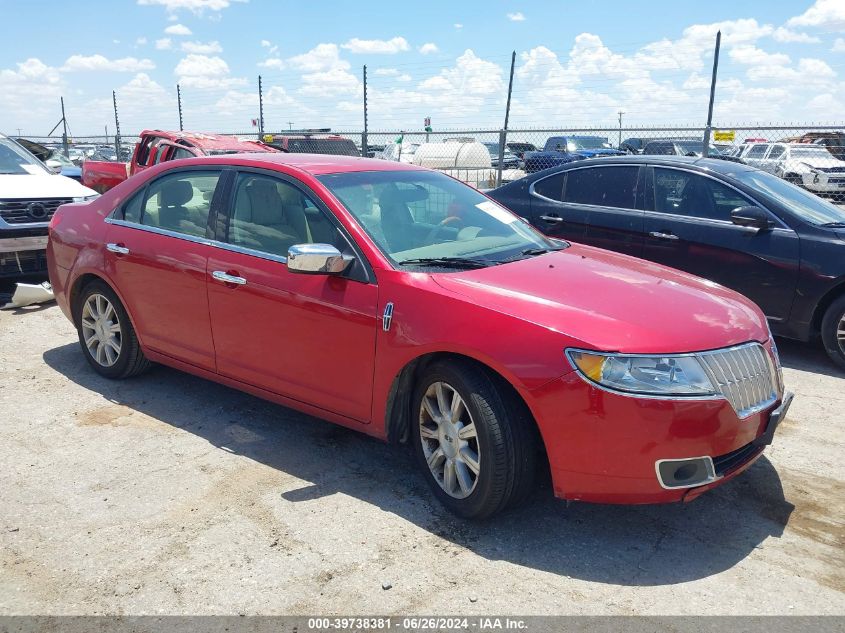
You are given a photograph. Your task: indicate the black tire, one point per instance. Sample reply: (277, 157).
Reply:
(130, 360)
(833, 321)
(506, 439)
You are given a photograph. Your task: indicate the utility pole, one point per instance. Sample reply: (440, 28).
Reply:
(64, 129)
(260, 110)
(503, 134)
(621, 112)
(364, 139)
(705, 151)
(179, 103)
(290, 125)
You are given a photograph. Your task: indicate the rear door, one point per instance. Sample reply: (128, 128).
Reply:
(307, 337)
(688, 226)
(157, 248)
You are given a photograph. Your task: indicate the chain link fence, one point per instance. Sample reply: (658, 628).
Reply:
(810, 156)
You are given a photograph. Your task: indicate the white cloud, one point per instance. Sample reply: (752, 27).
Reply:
(751, 55)
(783, 34)
(829, 14)
(272, 48)
(208, 48)
(195, 6)
(387, 47)
(101, 63)
(458, 25)
(177, 29)
(428, 47)
(404, 77)
(320, 58)
(387, 72)
(330, 83)
(164, 44)
(272, 62)
(516, 17)
(202, 71)
(838, 45)
(141, 41)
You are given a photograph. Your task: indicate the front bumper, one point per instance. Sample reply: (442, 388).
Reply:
(603, 447)
(824, 183)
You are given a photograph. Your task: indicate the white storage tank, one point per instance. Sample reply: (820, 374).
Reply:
(467, 161)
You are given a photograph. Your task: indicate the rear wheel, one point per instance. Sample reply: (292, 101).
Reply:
(106, 335)
(833, 331)
(473, 440)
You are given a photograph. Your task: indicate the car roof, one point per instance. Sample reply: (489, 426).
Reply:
(704, 164)
(208, 141)
(314, 164)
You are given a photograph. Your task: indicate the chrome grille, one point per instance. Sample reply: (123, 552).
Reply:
(745, 375)
(27, 211)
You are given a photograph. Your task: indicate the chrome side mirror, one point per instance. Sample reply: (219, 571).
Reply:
(317, 259)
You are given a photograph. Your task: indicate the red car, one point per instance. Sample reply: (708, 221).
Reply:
(400, 302)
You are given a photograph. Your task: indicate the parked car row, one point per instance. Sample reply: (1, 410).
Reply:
(397, 301)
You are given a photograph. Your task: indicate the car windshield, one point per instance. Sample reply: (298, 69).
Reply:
(695, 147)
(58, 156)
(426, 218)
(14, 159)
(587, 142)
(806, 205)
(811, 152)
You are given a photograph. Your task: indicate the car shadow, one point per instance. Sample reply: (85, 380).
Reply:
(625, 545)
(807, 357)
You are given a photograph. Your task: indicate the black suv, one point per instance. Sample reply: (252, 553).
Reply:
(781, 246)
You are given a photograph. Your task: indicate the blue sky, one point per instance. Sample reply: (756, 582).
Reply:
(578, 63)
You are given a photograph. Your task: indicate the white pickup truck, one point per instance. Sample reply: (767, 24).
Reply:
(29, 195)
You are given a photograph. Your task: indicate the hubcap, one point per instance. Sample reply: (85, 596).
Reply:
(101, 330)
(449, 440)
(840, 334)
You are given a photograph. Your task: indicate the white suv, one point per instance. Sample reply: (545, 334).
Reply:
(810, 166)
(29, 195)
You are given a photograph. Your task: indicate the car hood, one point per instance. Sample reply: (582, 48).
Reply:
(613, 302)
(29, 186)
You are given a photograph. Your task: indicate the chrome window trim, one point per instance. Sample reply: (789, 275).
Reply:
(774, 368)
(198, 240)
(721, 182)
(711, 472)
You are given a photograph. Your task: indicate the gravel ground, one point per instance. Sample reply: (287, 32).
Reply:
(170, 494)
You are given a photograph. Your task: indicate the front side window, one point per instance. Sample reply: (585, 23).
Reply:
(685, 193)
(602, 186)
(807, 206)
(415, 217)
(270, 215)
(180, 202)
(775, 152)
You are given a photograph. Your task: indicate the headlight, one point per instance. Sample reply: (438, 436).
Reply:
(644, 375)
(86, 198)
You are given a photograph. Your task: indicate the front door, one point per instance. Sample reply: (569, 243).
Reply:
(157, 247)
(306, 337)
(688, 226)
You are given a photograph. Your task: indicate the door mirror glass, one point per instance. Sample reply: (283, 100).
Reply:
(317, 259)
(752, 217)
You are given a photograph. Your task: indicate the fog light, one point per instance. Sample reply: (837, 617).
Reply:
(685, 473)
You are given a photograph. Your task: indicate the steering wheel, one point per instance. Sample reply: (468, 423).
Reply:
(443, 223)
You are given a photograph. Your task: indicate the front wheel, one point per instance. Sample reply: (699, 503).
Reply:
(833, 331)
(473, 440)
(106, 335)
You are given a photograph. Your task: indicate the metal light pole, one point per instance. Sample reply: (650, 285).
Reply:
(64, 130)
(503, 134)
(707, 130)
(621, 112)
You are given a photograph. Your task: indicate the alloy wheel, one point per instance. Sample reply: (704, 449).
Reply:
(449, 440)
(101, 330)
(840, 334)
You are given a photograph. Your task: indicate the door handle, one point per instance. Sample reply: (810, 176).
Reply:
(226, 278)
(120, 249)
(552, 218)
(664, 236)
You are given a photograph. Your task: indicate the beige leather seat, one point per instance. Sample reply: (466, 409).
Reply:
(267, 221)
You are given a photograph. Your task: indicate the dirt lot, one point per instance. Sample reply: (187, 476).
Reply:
(170, 494)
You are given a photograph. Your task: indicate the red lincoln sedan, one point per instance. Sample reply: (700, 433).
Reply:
(400, 302)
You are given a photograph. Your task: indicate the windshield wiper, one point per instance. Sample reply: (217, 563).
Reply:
(533, 252)
(834, 225)
(449, 262)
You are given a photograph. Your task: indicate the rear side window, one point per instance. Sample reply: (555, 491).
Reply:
(602, 186)
(758, 151)
(181, 153)
(132, 209)
(180, 202)
(551, 187)
(775, 152)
